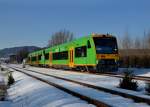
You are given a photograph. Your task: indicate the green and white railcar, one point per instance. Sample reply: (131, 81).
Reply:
(93, 52)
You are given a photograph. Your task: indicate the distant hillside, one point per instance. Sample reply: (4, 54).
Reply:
(9, 51)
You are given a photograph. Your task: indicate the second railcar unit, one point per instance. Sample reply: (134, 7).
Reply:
(94, 52)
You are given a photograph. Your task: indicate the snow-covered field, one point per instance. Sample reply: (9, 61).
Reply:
(29, 92)
(110, 99)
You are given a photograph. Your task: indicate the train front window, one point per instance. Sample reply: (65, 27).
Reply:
(105, 45)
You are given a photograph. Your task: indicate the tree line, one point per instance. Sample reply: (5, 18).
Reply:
(60, 37)
(135, 52)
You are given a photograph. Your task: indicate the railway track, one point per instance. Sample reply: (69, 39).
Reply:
(92, 101)
(113, 74)
(143, 78)
(83, 97)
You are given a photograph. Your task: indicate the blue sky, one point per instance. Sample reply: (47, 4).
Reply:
(32, 22)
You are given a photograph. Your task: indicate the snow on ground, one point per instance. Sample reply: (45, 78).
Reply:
(29, 92)
(99, 80)
(114, 100)
(1, 78)
(138, 71)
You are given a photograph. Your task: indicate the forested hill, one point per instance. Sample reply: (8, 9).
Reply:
(14, 50)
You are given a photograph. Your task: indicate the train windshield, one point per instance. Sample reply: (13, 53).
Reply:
(106, 45)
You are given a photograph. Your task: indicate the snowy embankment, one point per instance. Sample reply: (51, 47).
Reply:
(29, 92)
(110, 99)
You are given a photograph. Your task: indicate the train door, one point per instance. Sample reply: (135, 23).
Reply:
(71, 57)
(30, 60)
(89, 53)
(37, 61)
(50, 59)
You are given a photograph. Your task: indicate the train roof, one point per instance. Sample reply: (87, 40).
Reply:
(66, 44)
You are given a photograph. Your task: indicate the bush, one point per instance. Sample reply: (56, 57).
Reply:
(147, 88)
(10, 79)
(127, 81)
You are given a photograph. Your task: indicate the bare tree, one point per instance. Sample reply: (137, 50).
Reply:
(126, 45)
(137, 43)
(126, 41)
(144, 40)
(119, 43)
(60, 38)
(22, 54)
(148, 40)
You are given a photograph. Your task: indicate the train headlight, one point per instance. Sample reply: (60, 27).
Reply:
(96, 61)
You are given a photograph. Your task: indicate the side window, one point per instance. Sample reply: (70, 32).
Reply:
(39, 57)
(55, 56)
(64, 55)
(88, 44)
(81, 51)
(47, 56)
(60, 55)
(34, 58)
